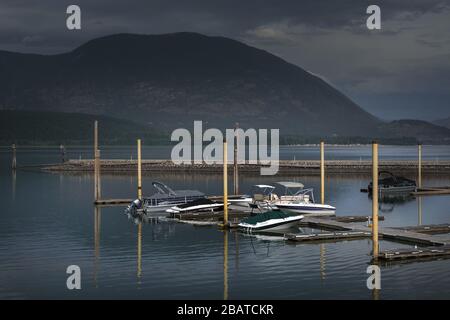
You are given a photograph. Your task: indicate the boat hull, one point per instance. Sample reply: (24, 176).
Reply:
(196, 209)
(273, 225)
(317, 210)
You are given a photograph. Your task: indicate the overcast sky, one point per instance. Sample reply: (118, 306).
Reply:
(400, 71)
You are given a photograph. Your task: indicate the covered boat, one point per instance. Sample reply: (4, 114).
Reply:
(390, 183)
(163, 199)
(269, 221)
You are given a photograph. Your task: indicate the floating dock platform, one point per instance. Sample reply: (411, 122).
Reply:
(112, 202)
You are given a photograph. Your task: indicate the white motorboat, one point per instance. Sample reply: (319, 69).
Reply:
(240, 200)
(270, 221)
(235, 200)
(301, 201)
(196, 206)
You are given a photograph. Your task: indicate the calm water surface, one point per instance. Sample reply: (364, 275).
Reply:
(48, 222)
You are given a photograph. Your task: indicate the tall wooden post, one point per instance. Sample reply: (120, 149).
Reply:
(322, 172)
(139, 165)
(419, 173)
(14, 157)
(225, 184)
(375, 199)
(235, 162)
(97, 188)
(99, 174)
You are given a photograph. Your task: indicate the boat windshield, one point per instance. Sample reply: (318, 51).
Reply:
(162, 188)
(292, 188)
(263, 189)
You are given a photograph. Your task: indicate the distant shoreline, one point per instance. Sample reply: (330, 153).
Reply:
(168, 145)
(307, 167)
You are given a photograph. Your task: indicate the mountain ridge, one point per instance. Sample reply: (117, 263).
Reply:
(170, 80)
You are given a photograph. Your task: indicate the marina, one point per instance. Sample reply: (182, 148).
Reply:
(417, 236)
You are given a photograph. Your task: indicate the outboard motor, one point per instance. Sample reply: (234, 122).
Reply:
(134, 206)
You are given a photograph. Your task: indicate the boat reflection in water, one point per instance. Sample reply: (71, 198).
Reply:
(388, 201)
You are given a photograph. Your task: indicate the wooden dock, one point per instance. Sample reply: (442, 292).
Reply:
(327, 236)
(350, 219)
(112, 202)
(395, 234)
(432, 191)
(435, 247)
(428, 229)
(416, 253)
(234, 216)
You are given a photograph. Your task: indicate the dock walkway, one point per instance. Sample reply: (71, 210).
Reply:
(435, 247)
(405, 234)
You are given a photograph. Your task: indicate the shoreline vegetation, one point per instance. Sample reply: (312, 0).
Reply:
(285, 166)
(38, 128)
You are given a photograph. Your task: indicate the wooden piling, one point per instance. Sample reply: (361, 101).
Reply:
(139, 187)
(419, 165)
(225, 184)
(235, 161)
(62, 149)
(322, 172)
(97, 187)
(375, 199)
(14, 157)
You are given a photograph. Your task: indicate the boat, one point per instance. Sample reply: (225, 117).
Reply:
(263, 197)
(163, 199)
(196, 206)
(269, 221)
(300, 201)
(390, 183)
(235, 200)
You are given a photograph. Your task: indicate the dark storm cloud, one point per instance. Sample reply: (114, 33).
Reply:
(46, 19)
(328, 38)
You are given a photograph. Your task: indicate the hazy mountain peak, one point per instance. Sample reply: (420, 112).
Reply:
(173, 79)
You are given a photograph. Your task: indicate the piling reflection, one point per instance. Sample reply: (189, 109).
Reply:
(236, 241)
(419, 210)
(376, 294)
(14, 181)
(225, 265)
(322, 262)
(139, 252)
(97, 228)
(388, 202)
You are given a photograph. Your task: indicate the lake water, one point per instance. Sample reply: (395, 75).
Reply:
(48, 222)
